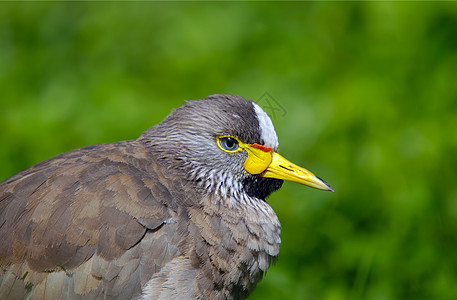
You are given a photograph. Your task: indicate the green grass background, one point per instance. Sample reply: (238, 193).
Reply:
(369, 91)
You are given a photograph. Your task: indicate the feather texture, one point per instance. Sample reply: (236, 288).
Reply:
(134, 219)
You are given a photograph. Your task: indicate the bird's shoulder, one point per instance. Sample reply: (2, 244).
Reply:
(94, 206)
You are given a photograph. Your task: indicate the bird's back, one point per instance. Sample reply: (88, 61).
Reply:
(78, 225)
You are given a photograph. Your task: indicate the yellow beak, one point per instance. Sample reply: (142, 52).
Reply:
(260, 161)
(281, 168)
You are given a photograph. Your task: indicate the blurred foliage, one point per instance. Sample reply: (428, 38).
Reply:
(370, 95)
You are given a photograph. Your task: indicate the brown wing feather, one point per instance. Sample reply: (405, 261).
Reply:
(79, 225)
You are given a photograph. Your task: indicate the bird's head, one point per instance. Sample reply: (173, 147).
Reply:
(228, 144)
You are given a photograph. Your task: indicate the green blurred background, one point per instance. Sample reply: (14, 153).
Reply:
(369, 93)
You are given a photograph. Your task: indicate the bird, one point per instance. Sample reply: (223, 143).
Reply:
(179, 213)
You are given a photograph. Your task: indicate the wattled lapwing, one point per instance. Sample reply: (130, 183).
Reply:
(179, 213)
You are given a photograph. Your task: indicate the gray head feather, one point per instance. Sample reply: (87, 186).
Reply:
(186, 140)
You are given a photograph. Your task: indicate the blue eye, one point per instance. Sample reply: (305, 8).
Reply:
(228, 143)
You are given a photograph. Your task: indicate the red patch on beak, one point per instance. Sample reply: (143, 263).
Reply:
(263, 148)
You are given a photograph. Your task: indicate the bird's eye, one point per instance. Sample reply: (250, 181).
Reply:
(228, 144)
